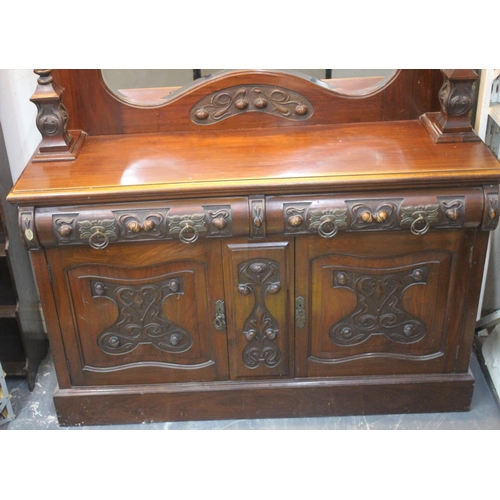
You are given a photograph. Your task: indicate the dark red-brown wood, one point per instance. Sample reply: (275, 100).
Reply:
(326, 262)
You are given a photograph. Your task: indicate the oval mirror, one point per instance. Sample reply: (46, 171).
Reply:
(152, 87)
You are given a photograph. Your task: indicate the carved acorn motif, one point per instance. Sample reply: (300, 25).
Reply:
(452, 214)
(148, 225)
(295, 220)
(381, 216)
(301, 109)
(241, 104)
(201, 114)
(219, 222)
(367, 217)
(65, 230)
(134, 226)
(260, 103)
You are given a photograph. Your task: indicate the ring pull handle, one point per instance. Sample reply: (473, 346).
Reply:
(420, 225)
(188, 227)
(328, 228)
(98, 240)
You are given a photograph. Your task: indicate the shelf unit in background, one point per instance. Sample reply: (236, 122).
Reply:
(487, 127)
(488, 110)
(23, 342)
(6, 413)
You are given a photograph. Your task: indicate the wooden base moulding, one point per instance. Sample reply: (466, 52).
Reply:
(277, 399)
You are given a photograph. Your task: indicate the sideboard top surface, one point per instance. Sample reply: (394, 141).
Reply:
(320, 158)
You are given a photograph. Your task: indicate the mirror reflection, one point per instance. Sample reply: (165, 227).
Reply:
(152, 87)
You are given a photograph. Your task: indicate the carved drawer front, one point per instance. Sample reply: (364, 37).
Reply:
(258, 284)
(371, 307)
(418, 212)
(140, 316)
(186, 221)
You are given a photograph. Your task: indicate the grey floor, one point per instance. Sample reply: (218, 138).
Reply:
(35, 410)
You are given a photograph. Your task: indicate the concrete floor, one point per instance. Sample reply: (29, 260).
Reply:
(35, 410)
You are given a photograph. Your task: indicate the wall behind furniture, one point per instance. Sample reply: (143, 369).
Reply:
(17, 116)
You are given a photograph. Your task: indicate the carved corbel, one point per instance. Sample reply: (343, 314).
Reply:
(58, 144)
(452, 123)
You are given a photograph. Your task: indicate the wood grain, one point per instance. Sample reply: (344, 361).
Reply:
(298, 160)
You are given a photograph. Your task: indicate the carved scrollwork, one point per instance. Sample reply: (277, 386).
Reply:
(219, 220)
(295, 217)
(454, 210)
(372, 215)
(260, 277)
(141, 224)
(141, 320)
(457, 98)
(258, 98)
(379, 309)
(64, 228)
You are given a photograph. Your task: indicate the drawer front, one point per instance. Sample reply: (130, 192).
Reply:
(187, 221)
(417, 212)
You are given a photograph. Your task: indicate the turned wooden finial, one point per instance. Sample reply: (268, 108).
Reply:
(456, 96)
(52, 122)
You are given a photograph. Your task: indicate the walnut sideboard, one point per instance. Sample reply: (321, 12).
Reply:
(258, 246)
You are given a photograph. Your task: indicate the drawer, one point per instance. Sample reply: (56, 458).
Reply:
(416, 211)
(186, 221)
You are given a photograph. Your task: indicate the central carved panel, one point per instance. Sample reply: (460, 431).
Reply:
(379, 309)
(260, 277)
(232, 101)
(141, 320)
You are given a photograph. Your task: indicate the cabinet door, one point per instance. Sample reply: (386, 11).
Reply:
(376, 304)
(259, 321)
(141, 313)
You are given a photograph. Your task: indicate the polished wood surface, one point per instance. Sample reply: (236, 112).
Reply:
(202, 260)
(298, 160)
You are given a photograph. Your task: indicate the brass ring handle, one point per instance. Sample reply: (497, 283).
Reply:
(98, 240)
(414, 225)
(188, 227)
(324, 232)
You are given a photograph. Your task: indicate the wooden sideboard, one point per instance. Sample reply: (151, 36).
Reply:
(259, 246)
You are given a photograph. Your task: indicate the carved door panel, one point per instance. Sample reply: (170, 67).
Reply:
(259, 320)
(142, 313)
(378, 305)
